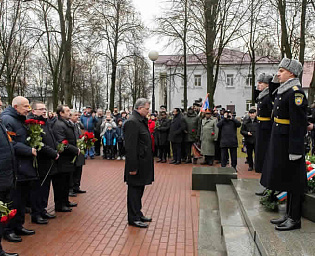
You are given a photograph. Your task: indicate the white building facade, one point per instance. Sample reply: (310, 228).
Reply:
(233, 89)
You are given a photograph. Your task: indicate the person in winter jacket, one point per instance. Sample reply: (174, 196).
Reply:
(89, 120)
(97, 131)
(120, 140)
(13, 118)
(228, 126)
(109, 140)
(7, 172)
(46, 162)
(248, 130)
(191, 132)
(162, 129)
(176, 135)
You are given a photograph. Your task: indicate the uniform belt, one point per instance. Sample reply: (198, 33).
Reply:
(259, 118)
(281, 121)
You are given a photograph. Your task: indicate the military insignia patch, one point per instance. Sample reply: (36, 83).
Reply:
(298, 99)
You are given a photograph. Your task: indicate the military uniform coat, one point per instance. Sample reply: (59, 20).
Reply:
(263, 132)
(139, 155)
(162, 129)
(192, 121)
(280, 173)
(208, 127)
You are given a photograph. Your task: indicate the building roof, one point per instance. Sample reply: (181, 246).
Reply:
(228, 57)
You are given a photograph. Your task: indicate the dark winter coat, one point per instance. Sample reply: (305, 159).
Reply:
(64, 130)
(97, 129)
(228, 128)
(191, 123)
(77, 131)
(263, 132)
(162, 130)
(48, 153)
(110, 138)
(139, 155)
(249, 125)
(14, 122)
(7, 166)
(88, 122)
(279, 172)
(120, 134)
(176, 129)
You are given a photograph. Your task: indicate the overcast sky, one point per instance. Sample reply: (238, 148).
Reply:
(149, 9)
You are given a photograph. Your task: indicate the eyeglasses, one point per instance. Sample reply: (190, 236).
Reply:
(41, 109)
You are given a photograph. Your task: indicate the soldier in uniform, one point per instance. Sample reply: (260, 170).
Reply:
(285, 168)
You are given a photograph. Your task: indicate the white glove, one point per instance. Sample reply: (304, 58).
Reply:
(294, 157)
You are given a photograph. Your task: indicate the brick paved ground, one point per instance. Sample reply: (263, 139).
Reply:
(98, 226)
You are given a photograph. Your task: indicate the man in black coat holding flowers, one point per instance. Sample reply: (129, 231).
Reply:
(13, 118)
(64, 132)
(139, 166)
(46, 163)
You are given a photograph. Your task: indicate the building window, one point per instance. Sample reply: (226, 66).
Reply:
(248, 105)
(197, 80)
(230, 80)
(249, 79)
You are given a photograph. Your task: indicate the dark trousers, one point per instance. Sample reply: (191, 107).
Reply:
(75, 179)
(19, 197)
(121, 149)
(61, 189)
(294, 206)
(97, 143)
(39, 196)
(109, 151)
(188, 146)
(134, 205)
(163, 151)
(250, 150)
(177, 148)
(4, 197)
(217, 151)
(225, 156)
(209, 160)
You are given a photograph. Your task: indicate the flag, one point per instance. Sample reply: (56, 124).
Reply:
(205, 104)
(282, 196)
(310, 174)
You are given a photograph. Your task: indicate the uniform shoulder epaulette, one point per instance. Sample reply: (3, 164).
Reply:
(295, 88)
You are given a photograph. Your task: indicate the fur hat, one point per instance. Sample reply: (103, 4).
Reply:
(294, 66)
(263, 78)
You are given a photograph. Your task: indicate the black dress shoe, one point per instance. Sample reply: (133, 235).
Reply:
(163, 161)
(188, 162)
(250, 169)
(178, 163)
(12, 237)
(79, 191)
(289, 224)
(9, 254)
(24, 232)
(72, 194)
(263, 193)
(279, 220)
(173, 162)
(71, 204)
(158, 161)
(63, 209)
(47, 215)
(138, 224)
(145, 219)
(39, 220)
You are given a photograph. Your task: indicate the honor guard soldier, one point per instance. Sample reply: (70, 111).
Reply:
(284, 168)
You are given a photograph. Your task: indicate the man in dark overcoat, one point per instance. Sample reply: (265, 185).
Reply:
(162, 130)
(176, 135)
(285, 168)
(228, 126)
(264, 109)
(139, 165)
(191, 123)
(7, 173)
(46, 162)
(64, 130)
(13, 118)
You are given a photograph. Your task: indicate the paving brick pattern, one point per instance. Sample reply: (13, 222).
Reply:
(98, 226)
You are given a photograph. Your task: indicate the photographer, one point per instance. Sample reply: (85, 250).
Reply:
(228, 126)
(108, 121)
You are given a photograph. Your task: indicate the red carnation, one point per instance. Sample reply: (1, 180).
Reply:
(12, 213)
(65, 142)
(212, 133)
(90, 135)
(308, 162)
(4, 219)
(30, 121)
(41, 122)
(93, 140)
(81, 136)
(193, 130)
(310, 168)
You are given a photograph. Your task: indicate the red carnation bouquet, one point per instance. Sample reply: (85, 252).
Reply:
(61, 146)
(85, 142)
(6, 213)
(35, 139)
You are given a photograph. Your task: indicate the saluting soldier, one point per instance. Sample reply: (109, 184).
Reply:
(285, 168)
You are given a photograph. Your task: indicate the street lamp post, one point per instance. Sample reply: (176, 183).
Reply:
(153, 56)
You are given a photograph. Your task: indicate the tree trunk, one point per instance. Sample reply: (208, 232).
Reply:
(302, 34)
(285, 46)
(185, 55)
(311, 91)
